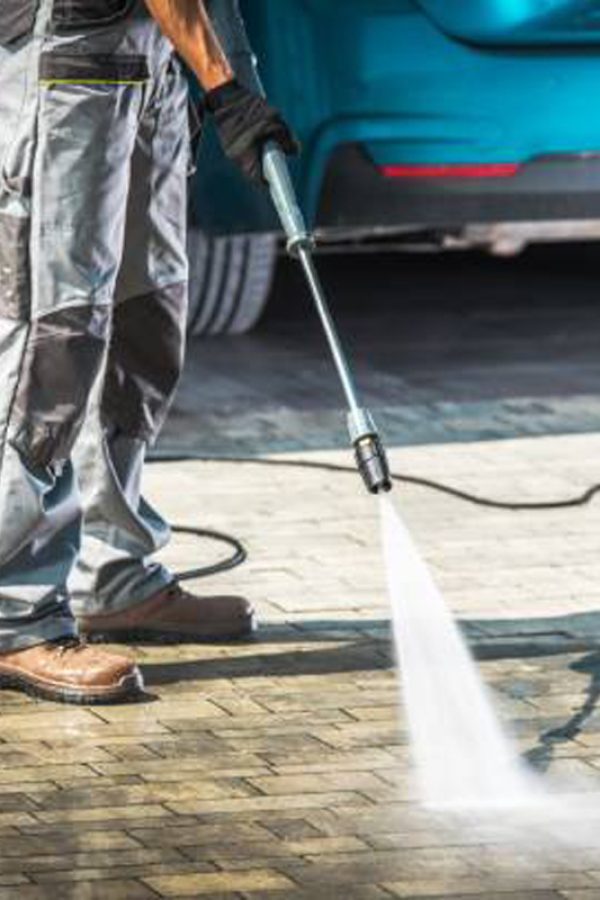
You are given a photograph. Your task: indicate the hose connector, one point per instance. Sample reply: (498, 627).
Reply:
(369, 452)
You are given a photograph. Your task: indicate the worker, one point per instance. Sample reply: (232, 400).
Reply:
(94, 155)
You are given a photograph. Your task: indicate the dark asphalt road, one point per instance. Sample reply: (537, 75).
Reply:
(445, 347)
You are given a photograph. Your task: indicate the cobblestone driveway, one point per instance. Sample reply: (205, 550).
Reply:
(280, 767)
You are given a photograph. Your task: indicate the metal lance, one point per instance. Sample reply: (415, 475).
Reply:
(365, 438)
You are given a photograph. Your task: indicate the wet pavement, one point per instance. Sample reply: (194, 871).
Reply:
(280, 767)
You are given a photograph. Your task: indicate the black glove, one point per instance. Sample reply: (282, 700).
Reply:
(245, 123)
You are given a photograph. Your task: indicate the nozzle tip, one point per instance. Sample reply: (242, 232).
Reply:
(373, 465)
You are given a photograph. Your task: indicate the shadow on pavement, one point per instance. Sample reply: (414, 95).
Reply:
(365, 645)
(542, 755)
(360, 656)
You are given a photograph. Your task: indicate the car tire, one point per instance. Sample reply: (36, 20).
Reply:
(230, 281)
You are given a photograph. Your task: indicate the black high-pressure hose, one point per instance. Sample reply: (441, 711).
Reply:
(239, 554)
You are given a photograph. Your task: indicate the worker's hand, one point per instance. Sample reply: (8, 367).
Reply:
(245, 123)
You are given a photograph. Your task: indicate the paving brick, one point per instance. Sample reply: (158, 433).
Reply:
(31, 865)
(298, 702)
(585, 894)
(16, 802)
(524, 887)
(161, 712)
(502, 895)
(379, 866)
(292, 829)
(229, 854)
(364, 892)
(65, 752)
(32, 726)
(74, 842)
(31, 787)
(119, 890)
(146, 794)
(217, 836)
(16, 819)
(157, 825)
(120, 873)
(499, 895)
(155, 769)
(196, 885)
(373, 713)
(103, 813)
(22, 775)
(316, 784)
(13, 880)
(261, 804)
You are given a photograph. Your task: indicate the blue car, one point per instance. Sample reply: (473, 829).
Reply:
(447, 123)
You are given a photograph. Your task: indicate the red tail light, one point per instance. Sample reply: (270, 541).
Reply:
(452, 170)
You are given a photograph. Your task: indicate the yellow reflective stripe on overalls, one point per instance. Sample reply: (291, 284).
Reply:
(61, 81)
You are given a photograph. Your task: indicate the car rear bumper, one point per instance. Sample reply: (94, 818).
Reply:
(357, 197)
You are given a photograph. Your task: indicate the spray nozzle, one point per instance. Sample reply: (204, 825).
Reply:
(372, 464)
(370, 453)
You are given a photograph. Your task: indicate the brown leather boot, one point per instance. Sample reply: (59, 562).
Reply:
(174, 615)
(70, 671)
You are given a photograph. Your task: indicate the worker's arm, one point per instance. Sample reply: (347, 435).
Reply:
(243, 119)
(188, 27)
(230, 28)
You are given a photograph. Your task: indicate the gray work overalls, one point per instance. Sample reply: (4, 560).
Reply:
(94, 147)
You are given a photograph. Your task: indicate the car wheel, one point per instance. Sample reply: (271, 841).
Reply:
(230, 281)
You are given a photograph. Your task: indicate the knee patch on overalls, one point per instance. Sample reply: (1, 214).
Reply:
(70, 15)
(17, 17)
(16, 20)
(145, 361)
(63, 355)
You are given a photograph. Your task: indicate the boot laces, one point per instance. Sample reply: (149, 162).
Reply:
(72, 642)
(175, 591)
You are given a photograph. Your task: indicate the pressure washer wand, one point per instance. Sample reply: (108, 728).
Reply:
(365, 438)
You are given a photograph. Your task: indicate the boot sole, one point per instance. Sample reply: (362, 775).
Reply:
(142, 636)
(150, 636)
(129, 688)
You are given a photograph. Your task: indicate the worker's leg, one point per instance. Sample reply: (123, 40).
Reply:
(118, 590)
(122, 531)
(66, 143)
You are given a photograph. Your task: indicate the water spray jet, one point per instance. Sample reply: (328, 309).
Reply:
(464, 759)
